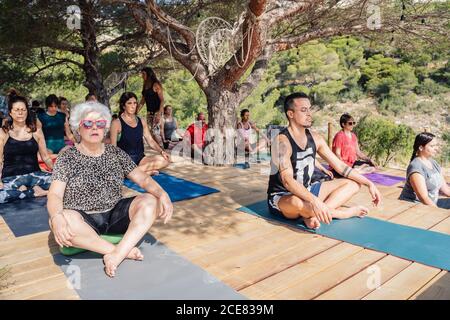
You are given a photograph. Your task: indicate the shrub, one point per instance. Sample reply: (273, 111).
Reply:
(385, 140)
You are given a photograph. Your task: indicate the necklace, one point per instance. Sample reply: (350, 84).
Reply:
(89, 153)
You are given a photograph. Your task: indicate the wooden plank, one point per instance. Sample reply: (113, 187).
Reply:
(443, 227)
(26, 278)
(59, 294)
(404, 284)
(388, 208)
(360, 284)
(437, 289)
(212, 253)
(35, 288)
(276, 262)
(418, 216)
(275, 285)
(252, 252)
(319, 282)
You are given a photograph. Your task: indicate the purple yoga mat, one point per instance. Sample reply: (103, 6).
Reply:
(383, 179)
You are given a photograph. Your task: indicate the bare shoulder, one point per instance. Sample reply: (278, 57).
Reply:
(115, 123)
(3, 135)
(157, 86)
(284, 145)
(38, 133)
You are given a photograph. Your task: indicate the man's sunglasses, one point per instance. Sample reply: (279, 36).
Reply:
(88, 124)
(351, 123)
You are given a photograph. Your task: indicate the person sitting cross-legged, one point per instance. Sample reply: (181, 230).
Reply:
(424, 177)
(85, 196)
(346, 147)
(20, 143)
(128, 133)
(290, 192)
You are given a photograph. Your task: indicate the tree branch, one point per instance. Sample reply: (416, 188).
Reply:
(256, 74)
(105, 44)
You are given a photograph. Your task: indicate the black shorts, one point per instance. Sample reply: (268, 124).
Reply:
(273, 198)
(114, 221)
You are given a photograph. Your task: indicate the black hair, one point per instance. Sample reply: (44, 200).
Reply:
(243, 111)
(422, 139)
(123, 99)
(51, 99)
(35, 104)
(289, 100)
(90, 94)
(198, 115)
(115, 116)
(151, 78)
(30, 121)
(344, 119)
(61, 99)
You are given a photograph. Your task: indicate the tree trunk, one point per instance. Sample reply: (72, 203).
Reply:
(221, 135)
(91, 54)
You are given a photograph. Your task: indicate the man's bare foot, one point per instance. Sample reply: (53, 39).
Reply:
(39, 192)
(135, 254)
(111, 262)
(356, 211)
(312, 223)
(22, 188)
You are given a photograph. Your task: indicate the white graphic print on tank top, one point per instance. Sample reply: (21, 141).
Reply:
(305, 166)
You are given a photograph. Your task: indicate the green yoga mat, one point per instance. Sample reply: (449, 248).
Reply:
(414, 244)
(112, 238)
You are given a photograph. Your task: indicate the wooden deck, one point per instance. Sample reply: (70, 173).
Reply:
(260, 259)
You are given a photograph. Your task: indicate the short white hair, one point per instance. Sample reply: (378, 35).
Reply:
(81, 110)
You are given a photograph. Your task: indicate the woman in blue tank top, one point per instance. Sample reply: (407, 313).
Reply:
(128, 133)
(54, 125)
(20, 142)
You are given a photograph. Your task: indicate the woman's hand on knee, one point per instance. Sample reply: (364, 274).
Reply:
(62, 231)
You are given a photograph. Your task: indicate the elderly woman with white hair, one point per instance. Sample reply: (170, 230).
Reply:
(85, 199)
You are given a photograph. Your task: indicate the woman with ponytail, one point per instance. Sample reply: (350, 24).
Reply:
(152, 96)
(424, 177)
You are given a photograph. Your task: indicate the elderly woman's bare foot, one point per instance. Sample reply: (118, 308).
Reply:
(111, 262)
(312, 223)
(135, 254)
(39, 192)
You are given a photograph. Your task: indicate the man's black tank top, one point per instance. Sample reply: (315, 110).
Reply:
(302, 161)
(152, 100)
(20, 157)
(131, 139)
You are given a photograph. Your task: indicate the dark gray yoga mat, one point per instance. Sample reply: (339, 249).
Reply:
(162, 275)
(27, 216)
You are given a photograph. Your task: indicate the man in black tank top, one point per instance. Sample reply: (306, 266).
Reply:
(290, 192)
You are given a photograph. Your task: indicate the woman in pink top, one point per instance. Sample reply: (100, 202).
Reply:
(245, 129)
(346, 148)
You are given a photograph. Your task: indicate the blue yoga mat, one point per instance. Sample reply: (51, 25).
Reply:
(178, 189)
(30, 216)
(423, 246)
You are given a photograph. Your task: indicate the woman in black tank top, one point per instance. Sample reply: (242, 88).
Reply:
(152, 96)
(20, 142)
(128, 133)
